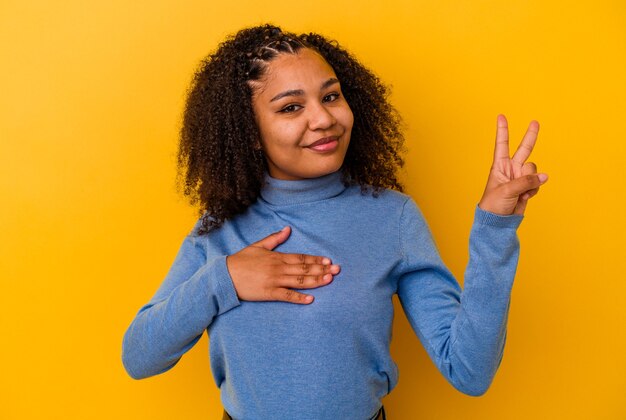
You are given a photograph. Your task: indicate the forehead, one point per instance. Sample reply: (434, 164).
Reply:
(294, 71)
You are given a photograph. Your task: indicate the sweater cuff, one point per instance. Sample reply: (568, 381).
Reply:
(223, 287)
(487, 218)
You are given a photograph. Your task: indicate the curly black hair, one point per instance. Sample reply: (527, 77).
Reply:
(221, 167)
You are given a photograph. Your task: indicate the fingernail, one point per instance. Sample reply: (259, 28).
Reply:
(334, 268)
(308, 299)
(542, 178)
(326, 261)
(535, 123)
(327, 277)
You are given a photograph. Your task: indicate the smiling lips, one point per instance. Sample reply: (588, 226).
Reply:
(327, 144)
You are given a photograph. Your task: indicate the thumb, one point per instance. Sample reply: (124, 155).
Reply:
(272, 241)
(529, 168)
(523, 184)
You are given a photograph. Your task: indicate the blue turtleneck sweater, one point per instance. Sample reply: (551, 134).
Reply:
(330, 359)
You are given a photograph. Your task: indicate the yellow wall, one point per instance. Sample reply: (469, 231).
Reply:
(90, 101)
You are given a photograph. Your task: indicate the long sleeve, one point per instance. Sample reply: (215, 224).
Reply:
(463, 331)
(194, 292)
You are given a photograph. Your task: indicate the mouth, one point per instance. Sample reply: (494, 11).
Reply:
(326, 144)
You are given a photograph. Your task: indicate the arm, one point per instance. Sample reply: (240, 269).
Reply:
(194, 292)
(462, 331)
(199, 288)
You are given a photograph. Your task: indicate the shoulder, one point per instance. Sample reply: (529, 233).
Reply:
(197, 229)
(220, 240)
(199, 235)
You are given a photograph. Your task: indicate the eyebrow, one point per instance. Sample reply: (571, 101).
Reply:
(300, 92)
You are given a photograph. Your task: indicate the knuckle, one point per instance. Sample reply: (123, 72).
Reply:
(530, 180)
(301, 257)
(300, 279)
(289, 294)
(306, 268)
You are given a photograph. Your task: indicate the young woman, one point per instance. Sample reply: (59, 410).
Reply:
(290, 148)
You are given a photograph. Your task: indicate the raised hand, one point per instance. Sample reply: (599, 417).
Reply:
(259, 273)
(512, 181)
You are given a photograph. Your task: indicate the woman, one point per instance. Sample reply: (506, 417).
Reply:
(290, 134)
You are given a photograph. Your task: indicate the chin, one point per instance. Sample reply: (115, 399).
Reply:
(325, 171)
(306, 170)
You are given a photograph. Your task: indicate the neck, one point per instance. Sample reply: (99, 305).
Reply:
(281, 192)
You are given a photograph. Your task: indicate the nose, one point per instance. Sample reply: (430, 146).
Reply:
(320, 117)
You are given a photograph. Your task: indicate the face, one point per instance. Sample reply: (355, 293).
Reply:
(304, 120)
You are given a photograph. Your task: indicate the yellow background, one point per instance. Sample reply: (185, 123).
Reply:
(91, 95)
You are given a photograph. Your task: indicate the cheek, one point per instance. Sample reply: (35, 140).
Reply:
(346, 118)
(282, 135)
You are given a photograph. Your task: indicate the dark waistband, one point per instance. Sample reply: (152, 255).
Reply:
(379, 416)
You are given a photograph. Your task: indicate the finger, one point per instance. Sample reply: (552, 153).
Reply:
(305, 259)
(530, 194)
(308, 269)
(291, 296)
(502, 139)
(305, 281)
(523, 201)
(529, 168)
(272, 241)
(528, 143)
(520, 208)
(523, 184)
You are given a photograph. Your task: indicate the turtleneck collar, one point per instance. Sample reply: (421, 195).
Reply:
(279, 192)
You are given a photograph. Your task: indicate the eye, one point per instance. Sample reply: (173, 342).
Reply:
(290, 108)
(331, 97)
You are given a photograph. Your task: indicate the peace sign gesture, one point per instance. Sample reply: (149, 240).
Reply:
(512, 181)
